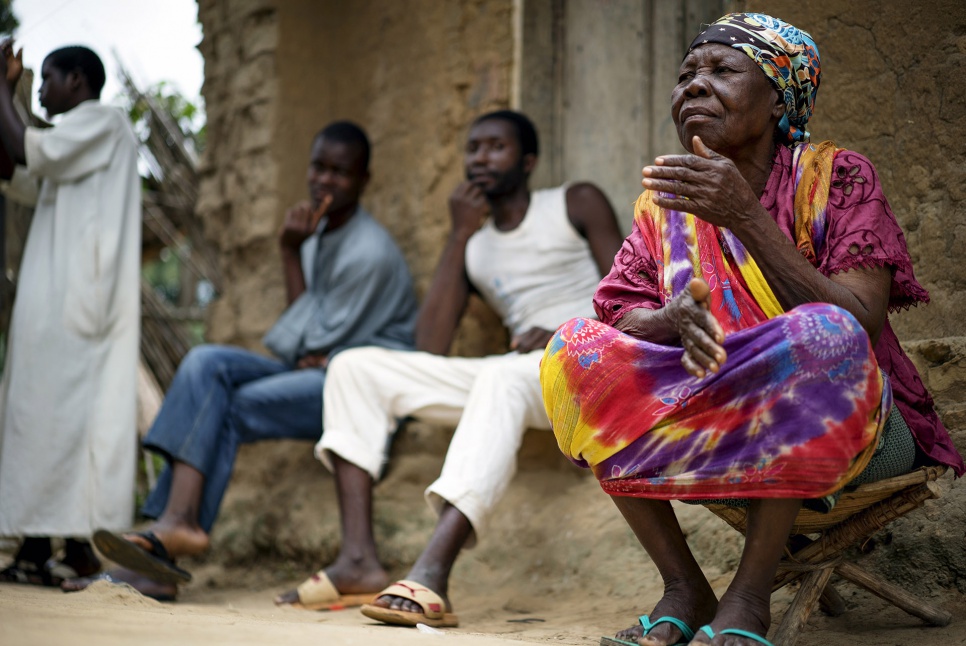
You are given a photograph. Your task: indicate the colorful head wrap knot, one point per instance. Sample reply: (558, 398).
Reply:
(787, 55)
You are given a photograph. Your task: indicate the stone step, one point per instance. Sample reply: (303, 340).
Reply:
(942, 364)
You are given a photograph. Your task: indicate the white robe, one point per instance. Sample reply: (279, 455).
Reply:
(68, 441)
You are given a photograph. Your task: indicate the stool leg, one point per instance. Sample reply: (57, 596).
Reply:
(802, 605)
(831, 602)
(893, 594)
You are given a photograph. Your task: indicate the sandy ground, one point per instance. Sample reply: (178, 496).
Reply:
(109, 615)
(558, 565)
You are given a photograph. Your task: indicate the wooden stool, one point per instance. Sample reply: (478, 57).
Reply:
(857, 515)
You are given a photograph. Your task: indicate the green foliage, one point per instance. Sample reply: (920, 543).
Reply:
(164, 275)
(166, 272)
(8, 21)
(186, 114)
(142, 490)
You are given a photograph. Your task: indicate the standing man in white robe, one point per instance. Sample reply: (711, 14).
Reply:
(67, 397)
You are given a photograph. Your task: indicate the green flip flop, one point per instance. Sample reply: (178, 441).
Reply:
(736, 631)
(648, 627)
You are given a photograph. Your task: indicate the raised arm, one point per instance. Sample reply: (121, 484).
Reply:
(300, 223)
(449, 292)
(591, 214)
(11, 127)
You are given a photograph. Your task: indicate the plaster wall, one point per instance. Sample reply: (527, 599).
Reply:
(891, 90)
(238, 189)
(412, 73)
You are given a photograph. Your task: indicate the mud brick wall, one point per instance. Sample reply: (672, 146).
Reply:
(413, 74)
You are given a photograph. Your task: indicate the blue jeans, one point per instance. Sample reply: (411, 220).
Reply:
(221, 397)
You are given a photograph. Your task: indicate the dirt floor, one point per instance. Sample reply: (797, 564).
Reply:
(110, 615)
(557, 565)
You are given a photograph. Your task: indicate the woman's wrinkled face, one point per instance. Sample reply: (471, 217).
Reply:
(724, 97)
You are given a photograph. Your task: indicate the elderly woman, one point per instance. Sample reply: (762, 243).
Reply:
(743, 349)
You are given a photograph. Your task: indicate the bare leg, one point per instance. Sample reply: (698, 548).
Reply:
(687, 594)
(434, 565)
(747, 603)
(357, 568)
(177, 528)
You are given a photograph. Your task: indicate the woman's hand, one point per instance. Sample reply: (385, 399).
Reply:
(686, 319)
(706, 184)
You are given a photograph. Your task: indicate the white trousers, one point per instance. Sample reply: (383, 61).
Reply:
(491, 401)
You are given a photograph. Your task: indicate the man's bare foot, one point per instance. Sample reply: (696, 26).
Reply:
(144, 585)
(745, 612)
(349, 576)
(438, 584)
(691, 606)
(179, 539)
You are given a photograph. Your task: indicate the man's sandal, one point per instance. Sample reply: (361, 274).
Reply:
(436, 612)
(25, 573)
(50, 574)
(319, 593)
(155, 564)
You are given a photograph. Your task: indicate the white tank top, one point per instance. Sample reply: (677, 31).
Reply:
(540, 274)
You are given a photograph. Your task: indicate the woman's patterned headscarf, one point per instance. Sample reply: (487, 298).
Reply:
(787, 55)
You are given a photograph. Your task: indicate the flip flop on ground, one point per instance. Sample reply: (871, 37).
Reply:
(319, 593)
(738, 632)
(649, 625)
(155, 564)
(436, 612)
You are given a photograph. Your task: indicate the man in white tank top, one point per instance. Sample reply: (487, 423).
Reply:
(536, 258)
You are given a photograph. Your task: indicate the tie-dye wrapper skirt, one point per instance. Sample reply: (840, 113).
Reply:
(794, 412)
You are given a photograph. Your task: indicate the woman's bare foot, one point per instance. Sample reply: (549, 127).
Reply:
(144, 585)
(349, 576)
(693, 607)
(739, 610)
(435, 582)
(178, 537)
